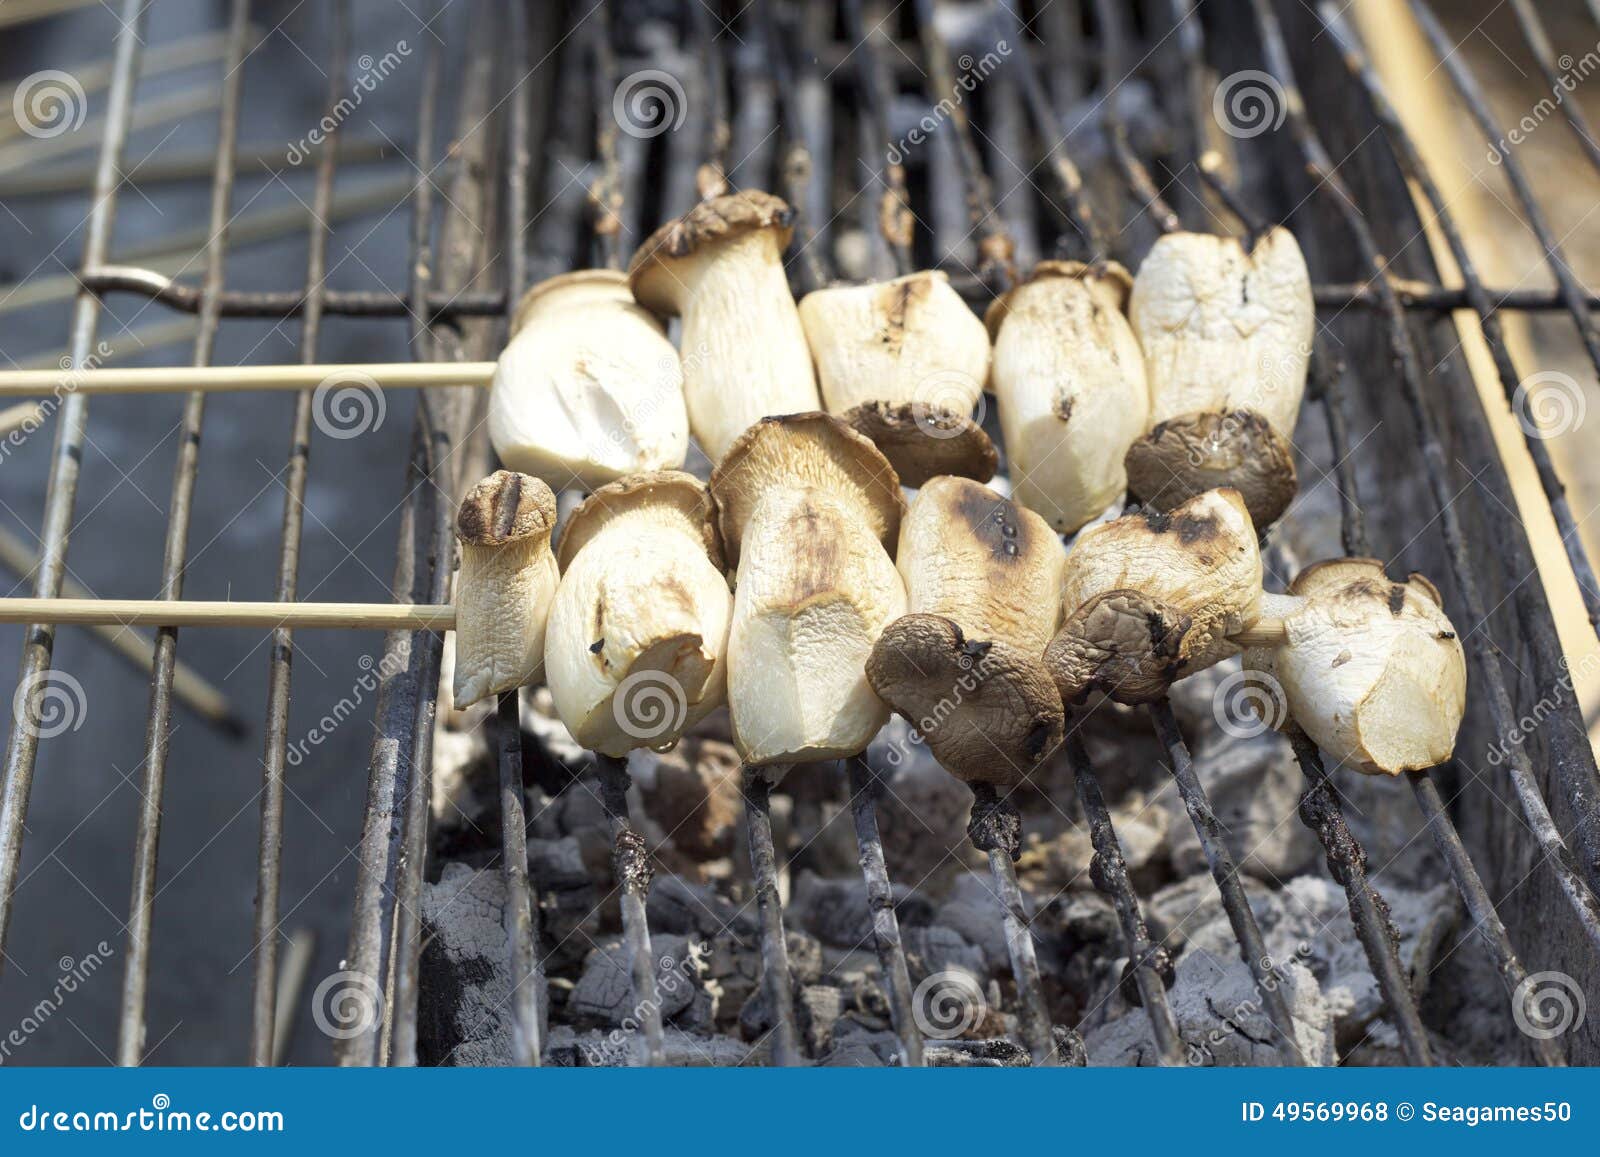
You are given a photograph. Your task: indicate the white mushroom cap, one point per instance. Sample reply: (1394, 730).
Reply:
(1069, 379)
(1371, 670)
(636, 642)
(589, 389)
(1150, 598)
(808, 508)
(1227, 338)
(904, 361)
(983, 577)
(505, 584)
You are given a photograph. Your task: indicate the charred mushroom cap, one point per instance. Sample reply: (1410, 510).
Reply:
(680, 497)
(651, 274)
(922, 441)
(988, 711)
(1152, 597)
(1110, 279)
(1371, 669)
(1186, 456)
(505, 507)
(804, 451)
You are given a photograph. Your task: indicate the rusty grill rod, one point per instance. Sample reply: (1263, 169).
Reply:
(22, 748)
(775, 976)
(1319, 165)
(1539, 42)
(269, 863)
(630, 861)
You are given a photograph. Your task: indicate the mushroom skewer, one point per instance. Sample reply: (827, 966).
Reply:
(982, 576)
(744, 352)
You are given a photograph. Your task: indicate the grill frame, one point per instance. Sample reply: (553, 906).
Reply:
(1405, 305)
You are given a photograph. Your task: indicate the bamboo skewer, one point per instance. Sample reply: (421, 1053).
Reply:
(198, 613)
(228, 379)
(16, 417)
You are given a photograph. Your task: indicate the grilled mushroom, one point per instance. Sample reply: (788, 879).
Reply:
(809, 511)
(634, 653)
(1070, 383)
(589, 389)
(1227, 338)
(503, 590)
(982, 580)
(1370, 669)
(1152, 597)
(744, 352)
(904, 362)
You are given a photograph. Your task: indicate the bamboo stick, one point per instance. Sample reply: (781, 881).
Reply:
(1262, 633)
(18, 416)
(27, 152)
(195, 613)
(127, 344)
(191, 688)
(230, 379)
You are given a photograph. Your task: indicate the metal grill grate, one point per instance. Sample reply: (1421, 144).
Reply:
(814, 81)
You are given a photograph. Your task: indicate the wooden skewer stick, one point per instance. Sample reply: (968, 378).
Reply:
(1263, 633)
(220, 379)
(18, 416)
(195, 613)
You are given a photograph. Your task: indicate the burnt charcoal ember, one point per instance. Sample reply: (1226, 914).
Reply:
(977, 1054)
(692, 795)
(972, 909)
(805, 968)
(678, 906)
(818, 1008)
(922, 813)
(562, 878)
(1070, 1049)
(570, 1048)
(604, 993)
(836, 912)
(936, 948)
(464, 1001)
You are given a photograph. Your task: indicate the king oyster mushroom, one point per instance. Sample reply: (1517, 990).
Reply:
(589, 388)
(983, 577)
(1227, 337)
(1369, 668)
(809, 510)
(634, 651)
(904, 362)
(1151, 597)
(744, 353)
(503, 590)
(1070, 382)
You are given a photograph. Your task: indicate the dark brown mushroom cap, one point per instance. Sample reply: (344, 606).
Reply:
(1122, 643)
(505, 507)
(1183, 457)
(988, 711)
(1108, 273)
(797, 451)
(656, 286)
(680, 495)
(923, 441)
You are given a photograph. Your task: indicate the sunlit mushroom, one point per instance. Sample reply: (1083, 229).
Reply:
(1227, 337)
(1369, 668)
(589, 389)
(744, 353)
(503, 590)
(634, 651)
(809, 511)
(1069, 379)
(1152, 597)
(982, 581)
(904, 362)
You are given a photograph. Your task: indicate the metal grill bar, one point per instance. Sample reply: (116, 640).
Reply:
(263, 1018)
(22, 749)
(1533, 32)
(1534, 808)
(630, 862)
(775, 977)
